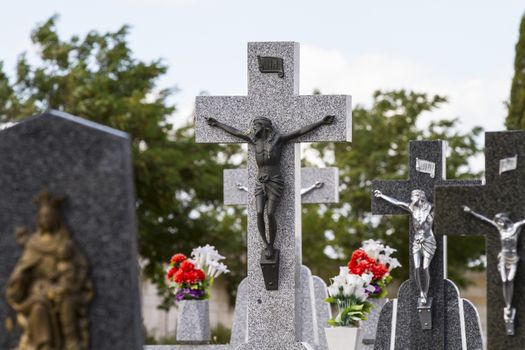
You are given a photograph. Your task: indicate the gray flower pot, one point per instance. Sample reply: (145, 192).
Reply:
(193, 322)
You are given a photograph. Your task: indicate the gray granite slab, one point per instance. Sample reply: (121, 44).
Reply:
(461, 324)
(473, 326)
(409, 333)
(315, 323)
(239, 333)
(90, 164)
(370, 325)
(193, 321)
(328, 193)
(308, 320)
(502, 193)
(273, 315)
(189, 347)
(323, 310)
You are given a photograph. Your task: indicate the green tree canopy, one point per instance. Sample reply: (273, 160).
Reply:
(178, 182)
(379, 150)
(516, 106)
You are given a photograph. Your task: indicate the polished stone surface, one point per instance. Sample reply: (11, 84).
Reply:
(275, 98)
(90, 164)
(505, 193)
(328, 193)
(193, 321)
(409, 333)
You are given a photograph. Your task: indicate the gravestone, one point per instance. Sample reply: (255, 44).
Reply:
(504, 192)
(401, 324)
(274, 315)
(319, 185)
(90, 165)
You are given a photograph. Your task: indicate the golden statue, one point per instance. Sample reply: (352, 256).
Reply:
(49, 289)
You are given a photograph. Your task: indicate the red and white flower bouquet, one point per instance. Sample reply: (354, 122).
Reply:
(191, 279)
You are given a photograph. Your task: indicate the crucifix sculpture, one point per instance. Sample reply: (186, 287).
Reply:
(494, 210)
(428, 309)
(273, 86)
(268, 144)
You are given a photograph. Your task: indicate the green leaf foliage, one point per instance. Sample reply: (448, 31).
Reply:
(178, 182)
(516, 107)
(379, 150)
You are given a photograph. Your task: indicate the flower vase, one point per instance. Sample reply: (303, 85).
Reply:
(193, 322)
(343, 338)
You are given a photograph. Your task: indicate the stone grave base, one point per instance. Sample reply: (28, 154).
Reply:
(462, 323)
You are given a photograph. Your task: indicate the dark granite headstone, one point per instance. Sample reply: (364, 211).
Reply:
(401, 324)
(91, 166)
(504, 192)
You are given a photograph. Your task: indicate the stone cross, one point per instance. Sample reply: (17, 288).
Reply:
(408, 325)
(315, 311)
(90, 165)
(504, 192)
(236, 190)
(273, 94)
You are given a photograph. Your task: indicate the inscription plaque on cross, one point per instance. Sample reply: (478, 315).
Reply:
(273, 98)
(418, 325)
(502, 196)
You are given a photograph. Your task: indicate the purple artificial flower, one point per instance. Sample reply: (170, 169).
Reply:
(189, 294)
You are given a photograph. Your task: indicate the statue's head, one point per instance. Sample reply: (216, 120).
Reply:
(418, 196)
(48, 218)
(503, 220)
(261, 124)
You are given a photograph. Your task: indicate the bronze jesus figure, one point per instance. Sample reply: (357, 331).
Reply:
(268, 145)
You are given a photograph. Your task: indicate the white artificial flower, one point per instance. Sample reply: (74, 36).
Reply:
(367, 277)
(372, 248)
(344, 270)
(218, 269)
(333, 290)
(203, 256)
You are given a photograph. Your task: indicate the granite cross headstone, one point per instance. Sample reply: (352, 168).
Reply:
(403, 323)
(504, 192)
(90, 166)
(273, 315)
(319, 185)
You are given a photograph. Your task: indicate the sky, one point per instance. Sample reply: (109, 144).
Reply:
(461, 49)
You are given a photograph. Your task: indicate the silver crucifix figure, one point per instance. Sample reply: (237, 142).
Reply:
(424, 244)
(508, 258)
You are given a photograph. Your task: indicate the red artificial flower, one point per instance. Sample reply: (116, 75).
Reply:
(187, 266)
(201, 276)
(191, 277)
(379, 270)
(171, 272)
(178, 258)
(361, 263)
(180, 277)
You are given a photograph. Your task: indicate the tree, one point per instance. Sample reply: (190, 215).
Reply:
(516, 107)
(379, 150)
(178, 183)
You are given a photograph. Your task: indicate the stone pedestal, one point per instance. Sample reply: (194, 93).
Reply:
(193, 322)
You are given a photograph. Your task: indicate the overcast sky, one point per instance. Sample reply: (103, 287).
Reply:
(462, 49)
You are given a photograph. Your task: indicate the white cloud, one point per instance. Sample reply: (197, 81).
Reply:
(477, 100)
